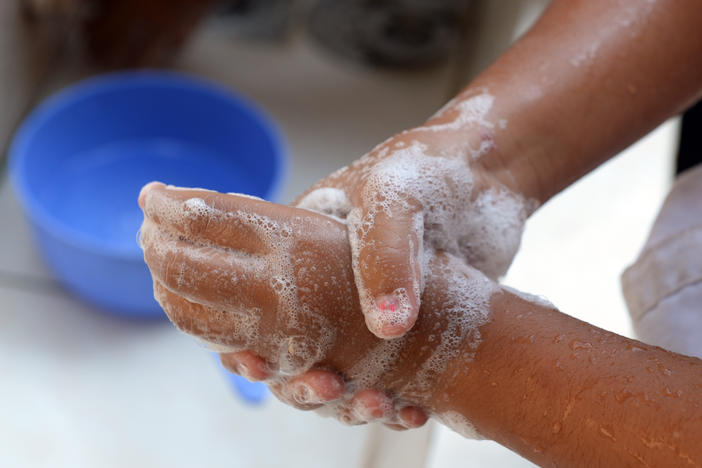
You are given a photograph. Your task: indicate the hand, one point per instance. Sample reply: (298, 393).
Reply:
(271, 288)
(434, 187)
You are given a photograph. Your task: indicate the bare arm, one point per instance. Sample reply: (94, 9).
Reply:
(586, 81)
(248, 275)
(562, 392)
(590, 78)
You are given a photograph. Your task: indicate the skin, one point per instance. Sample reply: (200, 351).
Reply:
(588, 79)
(554, 389)
(610, 70)
(220, 265)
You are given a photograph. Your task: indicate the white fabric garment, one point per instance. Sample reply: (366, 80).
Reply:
(663, 288)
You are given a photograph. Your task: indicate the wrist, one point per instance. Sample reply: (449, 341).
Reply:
(456, 305)
(494, 139)
(482, 150)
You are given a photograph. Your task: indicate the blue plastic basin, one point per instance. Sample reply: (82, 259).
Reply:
(78, 161)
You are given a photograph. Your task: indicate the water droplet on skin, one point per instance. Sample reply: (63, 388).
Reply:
(576, 345)
(557, 427)
(606, 432)
(302, 393)
(621, 397)
(674, 394)
(664, 370)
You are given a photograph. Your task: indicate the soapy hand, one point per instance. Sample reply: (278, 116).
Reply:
(271, 288)
(426, 189)
(272, 291)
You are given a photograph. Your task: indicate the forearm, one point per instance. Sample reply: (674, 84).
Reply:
(562, 392)
(277, 282)
(586, 81)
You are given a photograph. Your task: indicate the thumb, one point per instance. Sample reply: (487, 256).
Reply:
(386, 247)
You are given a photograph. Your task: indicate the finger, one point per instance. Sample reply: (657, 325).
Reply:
(234, 330)
(316, 386)
(387, 248)
(328, 200)
(282, 391)
(233, 221)
(207, 275)
(236, 222)
(344, 413)
(412, 417)
(246, 364)
(395, 427)
(371, 405)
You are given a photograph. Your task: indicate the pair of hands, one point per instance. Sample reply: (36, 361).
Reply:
(283, 292)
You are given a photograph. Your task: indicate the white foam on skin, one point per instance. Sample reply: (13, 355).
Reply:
(436, 188)
(378, 361)
(246, 195)
(186, 189)
(533, 298)
(437, 191)
(224, 268)
(486, 231)
(304, 336)
(492, 233)
(329, 201)
(466, 309)
(459, 423)
(242, 324)
(470, 111)
(395, 186)
(364, 413)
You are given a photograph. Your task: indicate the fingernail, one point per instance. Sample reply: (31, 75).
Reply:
(369, 405)
(412, 417)
(365, 413)
(144, 190)
(392, 316)
(370, 413)
(351, 419)
(303, 393)
(243, 370)
(257, 373)
(388, 304)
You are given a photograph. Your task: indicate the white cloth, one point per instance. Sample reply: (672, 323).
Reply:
(663, 288)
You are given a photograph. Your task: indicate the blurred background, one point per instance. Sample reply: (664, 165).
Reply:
(81, 387)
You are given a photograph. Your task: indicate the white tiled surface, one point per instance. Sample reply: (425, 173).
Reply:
(81, 389)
